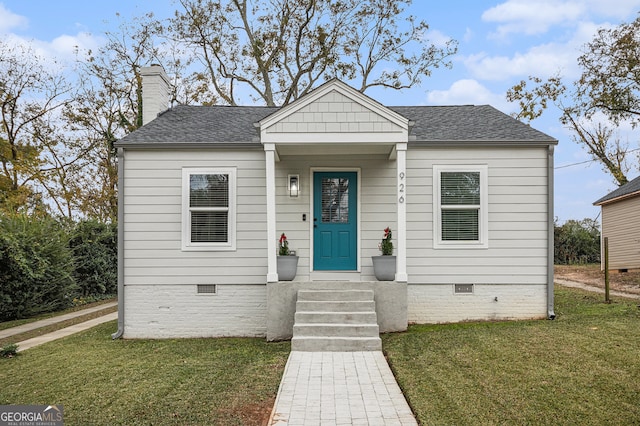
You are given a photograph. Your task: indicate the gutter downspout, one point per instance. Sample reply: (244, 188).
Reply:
(120, 331)
(550, 229)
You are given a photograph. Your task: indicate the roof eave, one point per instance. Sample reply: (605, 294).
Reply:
(604, 201)
(190, 145)
(482, 142)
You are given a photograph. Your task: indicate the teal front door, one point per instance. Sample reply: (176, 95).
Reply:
(335, 216)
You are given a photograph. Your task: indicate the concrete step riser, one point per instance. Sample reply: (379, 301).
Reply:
(334, 306)
(336, 317)
(343, 285)
(336, 330)
(335, 295)
(329, 344)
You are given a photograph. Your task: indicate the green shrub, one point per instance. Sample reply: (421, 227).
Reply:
(94, 246)
(9, 351)
(36, 267)
(577, 242)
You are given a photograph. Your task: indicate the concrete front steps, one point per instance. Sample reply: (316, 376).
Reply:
(336, 321)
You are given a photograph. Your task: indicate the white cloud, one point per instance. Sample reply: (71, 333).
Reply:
(618, 9)
(57, 52)
(544, 60)
(60, 51)
(464, 92)
(10, 21)
(67, 45)
(532, 17)
(438, 38)
(468, 35)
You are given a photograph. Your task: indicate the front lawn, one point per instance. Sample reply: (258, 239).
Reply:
(582, 368)
(157, 382)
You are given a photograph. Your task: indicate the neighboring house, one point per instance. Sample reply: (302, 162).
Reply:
(621, 224)
(205, 194)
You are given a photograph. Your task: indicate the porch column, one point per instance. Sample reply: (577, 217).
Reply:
(272, 265)
(401, 164)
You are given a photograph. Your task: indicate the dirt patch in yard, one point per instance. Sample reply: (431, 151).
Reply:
(591, 275)
(256, 414)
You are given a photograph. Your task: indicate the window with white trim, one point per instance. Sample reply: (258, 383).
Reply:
(208, 208)
(460, 206)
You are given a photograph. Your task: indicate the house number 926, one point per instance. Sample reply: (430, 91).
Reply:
(401, 187)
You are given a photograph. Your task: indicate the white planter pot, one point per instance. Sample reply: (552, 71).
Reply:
(287, 267)
(384, 267)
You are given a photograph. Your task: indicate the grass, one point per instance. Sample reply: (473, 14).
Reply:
(155, 382)
(583, 368)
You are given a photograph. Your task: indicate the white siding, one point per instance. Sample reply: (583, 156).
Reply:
(152, 225)
(160, 279)
(621, 223)
(517, 252)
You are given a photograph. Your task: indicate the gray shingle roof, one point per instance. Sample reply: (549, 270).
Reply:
(468, 123)
(235, 125)
(625, 190)
(200, 124)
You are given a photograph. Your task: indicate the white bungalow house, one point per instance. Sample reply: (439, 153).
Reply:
(206, 191)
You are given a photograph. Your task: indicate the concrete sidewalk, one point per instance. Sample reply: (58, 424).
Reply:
(64, 332)
(53, 320)
(339, 388)
(595, 289)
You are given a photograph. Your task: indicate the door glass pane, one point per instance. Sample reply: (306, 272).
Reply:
(335, 200)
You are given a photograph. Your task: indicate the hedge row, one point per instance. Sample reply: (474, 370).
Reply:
(45, 264)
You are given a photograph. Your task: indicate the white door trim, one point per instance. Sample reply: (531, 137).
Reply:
(330, 275)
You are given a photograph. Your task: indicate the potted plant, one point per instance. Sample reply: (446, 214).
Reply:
(384, 267)
(287, 262)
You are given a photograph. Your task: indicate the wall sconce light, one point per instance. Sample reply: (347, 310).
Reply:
(294, 185)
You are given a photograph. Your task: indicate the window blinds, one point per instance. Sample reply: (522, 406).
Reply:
(460, 204)
(209, 207)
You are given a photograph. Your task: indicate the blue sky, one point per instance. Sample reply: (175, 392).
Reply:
(500, 43)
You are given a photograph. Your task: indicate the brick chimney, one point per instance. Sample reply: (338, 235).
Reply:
(155, 92)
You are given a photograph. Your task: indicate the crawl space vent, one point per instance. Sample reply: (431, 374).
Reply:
(207, 289)
(463, 289)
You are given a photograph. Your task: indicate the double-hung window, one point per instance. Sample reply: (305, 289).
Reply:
(208, 208)
(460, 206)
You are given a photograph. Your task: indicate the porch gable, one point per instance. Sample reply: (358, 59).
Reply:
(334, 113)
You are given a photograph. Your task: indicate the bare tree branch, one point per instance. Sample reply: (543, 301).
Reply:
(278, 50)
